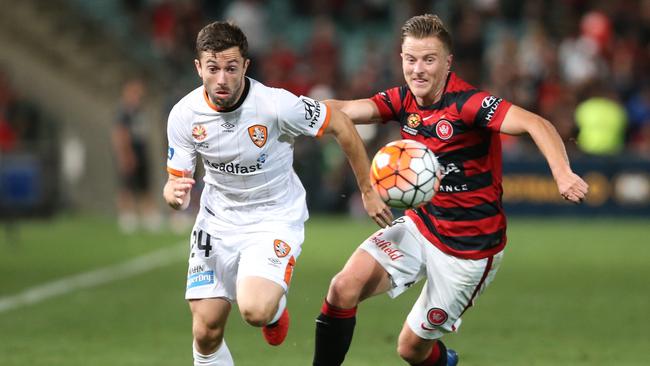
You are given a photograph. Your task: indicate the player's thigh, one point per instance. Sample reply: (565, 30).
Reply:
(399, 250)
(258, 295)
(270, 255)
(361, 277)
(212, 264)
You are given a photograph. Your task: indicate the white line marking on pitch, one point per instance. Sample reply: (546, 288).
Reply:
(94, 278)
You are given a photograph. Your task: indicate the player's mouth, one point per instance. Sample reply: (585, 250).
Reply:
(420, 82)
(222, 93)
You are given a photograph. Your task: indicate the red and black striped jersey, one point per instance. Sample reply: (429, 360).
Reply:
(465, 218)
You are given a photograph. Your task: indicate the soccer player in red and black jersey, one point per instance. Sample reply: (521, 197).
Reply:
(455, 241)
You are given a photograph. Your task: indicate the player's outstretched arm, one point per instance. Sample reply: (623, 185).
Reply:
(346, 135)
(360, 111)
(177, 191)
(518, 121)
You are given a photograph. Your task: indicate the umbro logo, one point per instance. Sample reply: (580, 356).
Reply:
(227, 125)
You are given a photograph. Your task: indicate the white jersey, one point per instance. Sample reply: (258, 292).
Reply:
(247, 152)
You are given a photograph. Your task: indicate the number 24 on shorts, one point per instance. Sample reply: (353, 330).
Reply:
(202, 240)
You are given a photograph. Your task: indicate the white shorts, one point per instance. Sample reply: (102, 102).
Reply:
(452, 285)
(218, 258)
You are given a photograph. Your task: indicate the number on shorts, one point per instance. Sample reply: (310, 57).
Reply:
(202, 245)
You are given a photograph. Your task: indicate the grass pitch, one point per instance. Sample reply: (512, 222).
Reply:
(569, 292)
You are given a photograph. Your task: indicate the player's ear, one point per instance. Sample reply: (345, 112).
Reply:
(197, 64)
(450, 59)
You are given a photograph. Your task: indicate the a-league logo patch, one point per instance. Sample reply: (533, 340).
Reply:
(199, 133)
(258, 134)
(437, 316)
(281, 248)
(444, 129)
(413, 120)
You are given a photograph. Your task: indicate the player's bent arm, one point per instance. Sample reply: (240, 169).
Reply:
(518, 121)
(360, 111)
(177, 191)
(348, 138)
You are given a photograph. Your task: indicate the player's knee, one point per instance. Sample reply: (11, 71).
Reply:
(344, 291)
(257, 315)
(207, 338)
(409, 354)
(412, 353)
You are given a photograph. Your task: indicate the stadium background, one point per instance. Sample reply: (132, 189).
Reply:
(572, 291)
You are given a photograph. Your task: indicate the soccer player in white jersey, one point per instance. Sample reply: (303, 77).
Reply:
(250, 227)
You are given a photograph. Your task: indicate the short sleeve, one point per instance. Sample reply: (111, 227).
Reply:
(301, 115)
(389, 103)
(181, 155)
(485, 110)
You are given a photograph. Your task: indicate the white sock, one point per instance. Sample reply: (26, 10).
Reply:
(221, 357)
(281, 305)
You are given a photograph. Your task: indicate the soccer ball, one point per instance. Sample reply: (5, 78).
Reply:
(403, 173)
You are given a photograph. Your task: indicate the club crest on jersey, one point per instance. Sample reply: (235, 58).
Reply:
(437, 316)
(199, 133)
(281, 248)
(258, 134)
(444, 129)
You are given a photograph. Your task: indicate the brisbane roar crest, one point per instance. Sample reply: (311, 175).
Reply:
(258, 134)
(281, 248)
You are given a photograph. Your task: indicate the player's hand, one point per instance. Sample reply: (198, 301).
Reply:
(572, 187)
(178, 192)
(376, 208)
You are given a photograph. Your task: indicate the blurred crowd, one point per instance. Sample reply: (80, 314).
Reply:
(20, 118)
(582, 64)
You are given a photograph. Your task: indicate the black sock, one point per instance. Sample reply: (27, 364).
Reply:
(333, 335)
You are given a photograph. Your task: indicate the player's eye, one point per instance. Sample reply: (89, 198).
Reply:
(212, 69)
(231, 69)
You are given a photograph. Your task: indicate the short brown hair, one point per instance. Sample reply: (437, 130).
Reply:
(219, 36)
(427, 25)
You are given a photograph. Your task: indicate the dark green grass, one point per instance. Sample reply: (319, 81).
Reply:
(569, 292)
